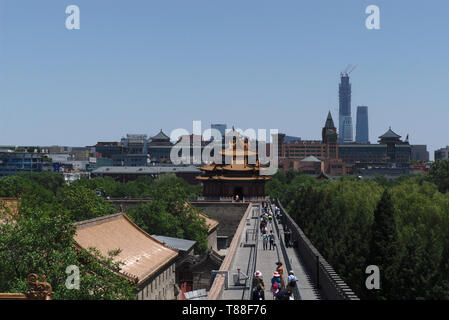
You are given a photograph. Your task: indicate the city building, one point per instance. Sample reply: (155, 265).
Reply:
(345, 119)
(107, 149)
(442, 154)
(362, 133)
(305, 155)
(159, 148)
(390, 152)
(135, 144)
(419, 153)
(147, 262)
(195, 144)
(14, 162)
(125, 174)
(288, 139)
(221, 128)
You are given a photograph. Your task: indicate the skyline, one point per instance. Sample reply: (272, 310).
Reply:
(137, 67)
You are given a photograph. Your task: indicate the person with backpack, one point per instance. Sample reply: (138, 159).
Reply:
(258, 280)
(258, 293)
(291, 282)
(271, 238)
(265, 241)
(283, 294)
(275, 284)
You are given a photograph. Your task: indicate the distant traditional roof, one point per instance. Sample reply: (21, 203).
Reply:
(175, 243)
(211, 223)
(389, 134)
(146, 170)
(160, 136)
(329, 121)
(311, 159)
(142, 254)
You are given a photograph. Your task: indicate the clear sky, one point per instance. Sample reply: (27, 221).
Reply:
(139, 66)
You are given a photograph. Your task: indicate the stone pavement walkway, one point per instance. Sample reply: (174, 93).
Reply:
(306, 286)
(266, 263)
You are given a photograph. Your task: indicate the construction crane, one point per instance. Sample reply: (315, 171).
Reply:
(352, 69)
(348, 70)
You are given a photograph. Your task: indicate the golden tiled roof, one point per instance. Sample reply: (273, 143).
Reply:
(142, 254)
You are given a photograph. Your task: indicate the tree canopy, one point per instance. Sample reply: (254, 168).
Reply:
(40, 237)
(401, 225)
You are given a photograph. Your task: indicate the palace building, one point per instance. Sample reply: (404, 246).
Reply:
(313, 156)
(239, 174)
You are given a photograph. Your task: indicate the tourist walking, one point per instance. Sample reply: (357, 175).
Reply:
(271, 238)
(265, 241)
(258, 280)
(291, 281)
(262, 225)
(283, 294)
(287, 234)
(280, 270)
(258, 293)
(275, 284)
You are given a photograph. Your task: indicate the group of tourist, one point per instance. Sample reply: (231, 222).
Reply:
(266, 218)
(278, 288)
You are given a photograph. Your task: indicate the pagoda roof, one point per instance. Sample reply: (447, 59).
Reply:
(160, 136)
(238, 152)
(389, 134)
(239, 167)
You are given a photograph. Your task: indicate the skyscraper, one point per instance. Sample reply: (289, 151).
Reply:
(361, 134)
(345, 120)
(221, 128)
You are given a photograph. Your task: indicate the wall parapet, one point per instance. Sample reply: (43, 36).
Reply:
(327, 280)
(216, 290)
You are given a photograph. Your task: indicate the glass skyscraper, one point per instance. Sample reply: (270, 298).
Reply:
(362, 135)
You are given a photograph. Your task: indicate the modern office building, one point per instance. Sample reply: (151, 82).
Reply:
(14, 162)
(220, 127)
(135, 144)
(419, 152)
(362, 133)
(345, 120)
(390, 152)
(107, 149)
(442, 154)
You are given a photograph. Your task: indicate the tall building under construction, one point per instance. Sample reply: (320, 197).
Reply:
(345, 120)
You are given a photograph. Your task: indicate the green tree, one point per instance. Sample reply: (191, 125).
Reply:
(383, 247)
(42, 243)
(439, 173)
(82, 203)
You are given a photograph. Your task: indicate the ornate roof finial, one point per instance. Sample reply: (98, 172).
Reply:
(39, 289)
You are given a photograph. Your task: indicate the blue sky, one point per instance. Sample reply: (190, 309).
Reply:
(139, 66)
